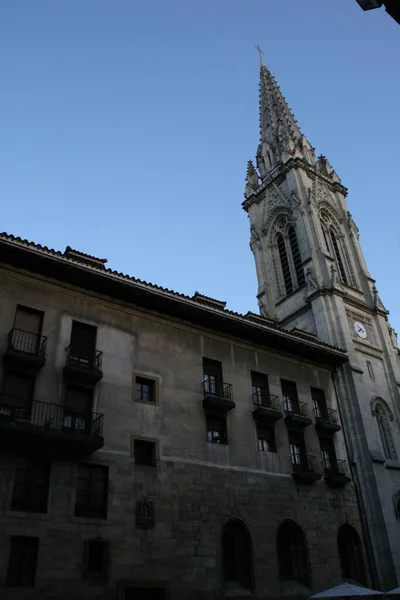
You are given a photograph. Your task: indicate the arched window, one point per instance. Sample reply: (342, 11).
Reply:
(382, 419)
(326, 236)
(292, 554)
(237, 559)
(340, 264)
(350, 554)
(287, 278)
(294, 246)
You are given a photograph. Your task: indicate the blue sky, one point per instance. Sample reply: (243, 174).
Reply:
(126, 127)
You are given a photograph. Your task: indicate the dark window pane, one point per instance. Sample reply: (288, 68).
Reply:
(287, 278)
(97, 557)
(91, 493)
(266, 439)
(216, 430)
(294, 246)
(22, 561)
(237, 555)
(31, 485)
(292, 554)
(145, 453)
(145, 389)
(350, 554)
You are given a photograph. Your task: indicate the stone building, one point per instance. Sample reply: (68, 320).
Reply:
(158, 446)
(312, 276)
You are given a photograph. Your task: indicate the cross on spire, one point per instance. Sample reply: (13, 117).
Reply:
(260, 52)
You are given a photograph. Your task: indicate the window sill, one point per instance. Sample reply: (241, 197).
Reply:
(22, 514)
(146, 402)
(392, 464)
(88, 520)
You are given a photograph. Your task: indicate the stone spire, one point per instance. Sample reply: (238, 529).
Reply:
(280, 135)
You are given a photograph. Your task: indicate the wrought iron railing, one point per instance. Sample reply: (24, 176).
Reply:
(305, 463)
(335, 467)
(294, 407)
(52, 417)
(213, 388)
(266, 400)
(84, 360)
(328, 415)
(25, 341)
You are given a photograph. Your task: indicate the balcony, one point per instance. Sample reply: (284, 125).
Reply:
(217, 396)
(267, 408)
(25, 351)
(296, 414)
(50, 426)
(83, 368)
(305, 469)
(326, 421)
(336, 473)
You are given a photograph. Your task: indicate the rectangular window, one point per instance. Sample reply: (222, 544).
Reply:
(289, 394)
(212, 377)
(328, 453)
(77, 408)
(97, 558)
(92, 491)
(216, 430)
(319, 403)
(22, 561)
(16, 396)
(145, 389)
(31, 485)
(297, 448)
(266, 438)
(259, 387)
(25, 335)
(83, 344)
(370, 370)
(145, 453)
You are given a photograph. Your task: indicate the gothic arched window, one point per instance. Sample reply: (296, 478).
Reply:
(292, 554)
(381, 413)
(294, 246)
(338, 256)
(237, 561)
(351, 555)
(283, 255)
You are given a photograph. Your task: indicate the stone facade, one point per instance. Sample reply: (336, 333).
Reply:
(195, 486)
(312, 276)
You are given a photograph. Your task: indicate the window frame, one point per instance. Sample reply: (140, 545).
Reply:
(90, 508)
(151, 384)
(269, 439)
(18, 580)
(156, 382)
(210, 430)
(139, 439)
(31, 476)
(104, 571)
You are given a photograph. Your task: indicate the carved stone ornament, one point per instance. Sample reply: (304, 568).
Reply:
(311, 281)
(145, 514)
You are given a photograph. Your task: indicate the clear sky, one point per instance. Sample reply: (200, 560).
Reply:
(126, 126)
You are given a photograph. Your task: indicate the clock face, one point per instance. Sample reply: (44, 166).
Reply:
(360, 330)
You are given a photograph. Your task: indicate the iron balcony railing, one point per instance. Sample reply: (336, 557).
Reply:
(266, 400)
(335, 467)
(305, 463)
(84, 360)
(25, 341)
(50, 417)
(294, 407)
(328, 415)
(212, 388)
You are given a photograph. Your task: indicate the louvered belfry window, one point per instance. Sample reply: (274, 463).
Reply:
(287, 278)
(298, 267)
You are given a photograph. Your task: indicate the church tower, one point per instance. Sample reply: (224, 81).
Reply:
(312, 276)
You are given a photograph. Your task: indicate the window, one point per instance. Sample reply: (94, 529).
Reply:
(22, 561)
(293, 554)
(329, 460)
(266, 438)
(339, 261)
(370, 370)
(259, 388)
(237, 559)
(212, 377)
(144, 389)
(16, 396)
(382, 418)
(294, 246)
(325, 234)
(92, 491)
(77, 408)
(350, 554)
(319, 404)
(82, 346)
(297, 449)
(287, 278)
(25, 335)
(289, 394)
(31, 485)
(97, 558)
(216, 429)
(145, 453)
